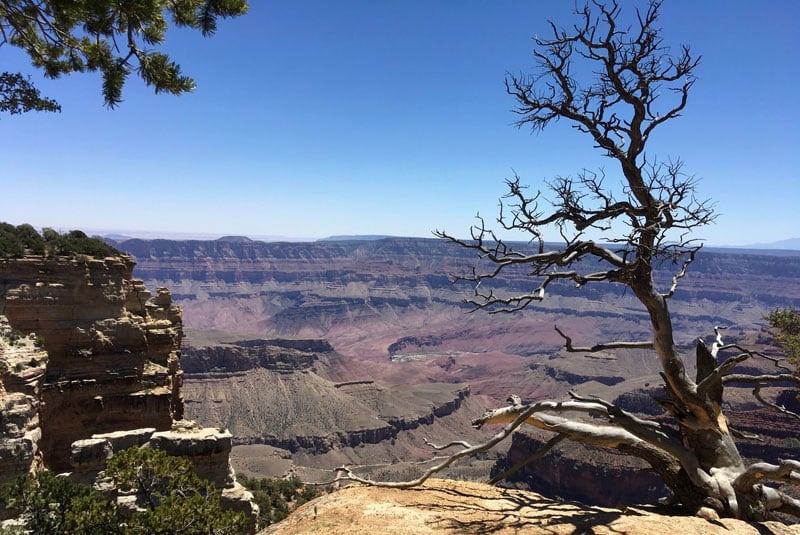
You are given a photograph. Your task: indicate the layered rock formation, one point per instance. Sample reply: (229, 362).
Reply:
(107, 375)
(22, 366)
(317, 284)
(387, 303)
(388, 309)
(280, 393)
(113, 353)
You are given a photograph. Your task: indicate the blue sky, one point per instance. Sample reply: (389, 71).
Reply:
(316, 118)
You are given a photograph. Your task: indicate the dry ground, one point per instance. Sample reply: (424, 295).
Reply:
(458, 507)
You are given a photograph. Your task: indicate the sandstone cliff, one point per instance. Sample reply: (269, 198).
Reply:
(22, 366)
(91, 365)
(113, 352)
(281, 393)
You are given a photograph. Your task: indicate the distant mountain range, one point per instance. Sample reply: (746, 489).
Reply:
(790, 244)
(356, 237)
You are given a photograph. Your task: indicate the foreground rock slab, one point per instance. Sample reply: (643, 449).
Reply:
(461, 507)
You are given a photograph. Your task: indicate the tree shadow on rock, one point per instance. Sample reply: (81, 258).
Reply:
(462, 511)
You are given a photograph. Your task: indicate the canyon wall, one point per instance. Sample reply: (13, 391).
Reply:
(281, 393)
(415, 271)
(91, 365)
(393, 298)
(112, 351)
(388, 309)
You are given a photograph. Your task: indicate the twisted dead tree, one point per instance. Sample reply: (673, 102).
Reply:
(617, 84)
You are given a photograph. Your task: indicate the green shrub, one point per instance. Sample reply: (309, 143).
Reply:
(174, 499)
(18, 241)
(786, 323)
(55, 504)
(276, 498)
(171, 498)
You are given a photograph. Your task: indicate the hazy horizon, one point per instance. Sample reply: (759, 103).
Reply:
(123, 234)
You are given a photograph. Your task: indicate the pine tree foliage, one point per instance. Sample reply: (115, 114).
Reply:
(116, 38)
(170, 500)
(16, 242)
(49, 503)
(171, 497)
(18, 95)
(786, 323)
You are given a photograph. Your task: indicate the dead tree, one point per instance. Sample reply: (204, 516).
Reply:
(617, 84)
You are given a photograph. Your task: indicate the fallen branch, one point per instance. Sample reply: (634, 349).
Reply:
(507, 430)
(601, 347)
(538, 454)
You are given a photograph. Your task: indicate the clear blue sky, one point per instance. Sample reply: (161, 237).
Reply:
(314, 118)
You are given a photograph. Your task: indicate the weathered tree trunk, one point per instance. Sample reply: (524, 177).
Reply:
(635, 85)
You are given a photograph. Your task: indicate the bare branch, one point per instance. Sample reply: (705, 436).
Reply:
(682, 273)
(488, 444)
(627, 430)
(787, 471)
(601, 347)
(462, 443)
(774, 406)
(538, 454)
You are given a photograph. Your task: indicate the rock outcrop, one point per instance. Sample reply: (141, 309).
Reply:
(276, 392)
(207, 448)
(113, 352)
(22, 366)
(90, 366)
(279, 355)
(464, 507)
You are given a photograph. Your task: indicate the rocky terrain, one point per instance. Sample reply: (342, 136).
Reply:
(283, 400)
(461, 507)
(392, 318)
(90, 365)
(386, 303)
(112, 353)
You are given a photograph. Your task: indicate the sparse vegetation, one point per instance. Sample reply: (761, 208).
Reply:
(276, 498)
(171, 499)
(11, 336)
(16, 242)
(786, 323)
